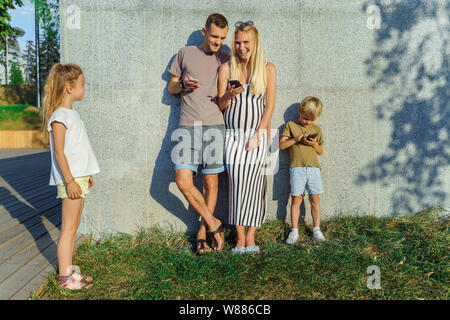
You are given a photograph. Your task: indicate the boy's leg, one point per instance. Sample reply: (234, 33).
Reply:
(70, 220)
(315, 188)
(315, 209)
(296, 201)
(184, 180)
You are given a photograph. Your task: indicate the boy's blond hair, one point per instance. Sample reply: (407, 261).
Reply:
(311, 106)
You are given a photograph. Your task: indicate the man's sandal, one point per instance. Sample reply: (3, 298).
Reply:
(70, 283)
(222, 234)
(202, 246)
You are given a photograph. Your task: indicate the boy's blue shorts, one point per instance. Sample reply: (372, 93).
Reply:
(308, 177)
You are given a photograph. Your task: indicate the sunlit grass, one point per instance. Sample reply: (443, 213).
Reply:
(410, 251)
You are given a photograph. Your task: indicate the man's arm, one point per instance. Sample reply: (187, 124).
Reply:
(174, 86)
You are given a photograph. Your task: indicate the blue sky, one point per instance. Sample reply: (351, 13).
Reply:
(23, 17)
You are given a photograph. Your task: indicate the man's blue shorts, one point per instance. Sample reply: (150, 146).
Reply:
(308, 177)
(200, 145)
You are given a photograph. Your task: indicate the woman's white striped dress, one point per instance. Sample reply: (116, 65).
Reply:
(247, 181)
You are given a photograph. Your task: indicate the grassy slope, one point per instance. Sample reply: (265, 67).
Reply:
(19, 117)
(410, 251)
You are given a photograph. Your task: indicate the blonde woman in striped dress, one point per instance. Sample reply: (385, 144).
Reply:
(247, 110)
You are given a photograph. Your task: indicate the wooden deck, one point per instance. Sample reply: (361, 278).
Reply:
(30, 220)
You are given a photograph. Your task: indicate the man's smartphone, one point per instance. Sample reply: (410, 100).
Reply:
(236, 83)
(311, 136)
(194, 80)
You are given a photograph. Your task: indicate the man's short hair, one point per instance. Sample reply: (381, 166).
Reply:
(218, 19)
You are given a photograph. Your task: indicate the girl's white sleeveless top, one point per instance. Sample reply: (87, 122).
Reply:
(77, 148)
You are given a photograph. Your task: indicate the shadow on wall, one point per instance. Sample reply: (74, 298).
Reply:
(411, 62)
(164, 173)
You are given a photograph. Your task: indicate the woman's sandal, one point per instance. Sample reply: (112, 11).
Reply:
(222, 234)
(202, 246)
(70, 283)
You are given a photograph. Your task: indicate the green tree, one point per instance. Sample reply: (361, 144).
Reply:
(49, 43)
(16, 75)
(30, 57)
(6, 31)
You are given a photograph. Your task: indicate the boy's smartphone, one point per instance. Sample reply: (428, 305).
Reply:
(194, 80)
(311, 136)
(236, 83)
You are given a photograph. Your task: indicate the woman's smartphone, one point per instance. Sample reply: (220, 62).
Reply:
(236, 83)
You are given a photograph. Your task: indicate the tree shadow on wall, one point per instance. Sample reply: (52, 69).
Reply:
(410, 63)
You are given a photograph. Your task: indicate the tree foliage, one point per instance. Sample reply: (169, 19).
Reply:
(16, 74)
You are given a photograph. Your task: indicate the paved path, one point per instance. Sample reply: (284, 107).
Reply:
(30, 220)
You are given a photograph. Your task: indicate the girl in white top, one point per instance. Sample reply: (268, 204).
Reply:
(73, 161)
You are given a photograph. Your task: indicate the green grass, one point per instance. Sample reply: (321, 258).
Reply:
(410, 251)
(19, 117)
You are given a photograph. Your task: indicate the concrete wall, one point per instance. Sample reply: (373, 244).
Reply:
(385, 94)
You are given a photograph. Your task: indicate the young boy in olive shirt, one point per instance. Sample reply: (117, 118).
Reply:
(304, 140)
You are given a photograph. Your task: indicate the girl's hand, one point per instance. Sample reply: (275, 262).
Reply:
(91, 182)
(74, 190)
(253, 142)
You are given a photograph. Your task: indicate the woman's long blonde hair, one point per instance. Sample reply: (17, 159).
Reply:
(59, 76)
(258, 72)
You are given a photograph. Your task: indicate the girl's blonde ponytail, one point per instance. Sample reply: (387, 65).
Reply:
(60, 75)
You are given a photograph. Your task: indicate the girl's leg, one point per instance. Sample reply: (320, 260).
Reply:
(78, 222)
(315, 209)
(250, 237)
(296, 201)
(70, 219)
(240, 236)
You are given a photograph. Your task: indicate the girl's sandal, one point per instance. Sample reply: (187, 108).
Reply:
(81, 277)
(70, 283)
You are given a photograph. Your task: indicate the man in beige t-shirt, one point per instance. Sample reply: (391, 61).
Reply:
(194, 76)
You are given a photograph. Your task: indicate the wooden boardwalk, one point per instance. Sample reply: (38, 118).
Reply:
(30, 220)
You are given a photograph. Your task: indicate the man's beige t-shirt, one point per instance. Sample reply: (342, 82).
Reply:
(301, 154)
(199, 104)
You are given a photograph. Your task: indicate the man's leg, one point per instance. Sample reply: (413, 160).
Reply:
(184, 180)
(211, 186)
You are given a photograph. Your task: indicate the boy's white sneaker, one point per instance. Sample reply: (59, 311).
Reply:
(293, 236)
(318, 235)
